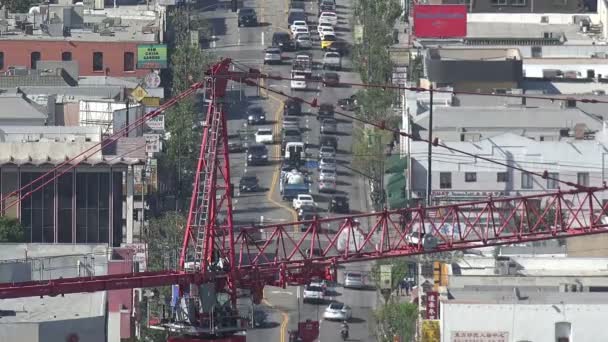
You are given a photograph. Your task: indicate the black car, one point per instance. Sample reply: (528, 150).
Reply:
(257, 154)
(292, 107)
(235, 146)
(328, 140)
(331, 79)
(339, 204)
(295, 15)
(283, 41)
(340, 46)
(249, 183)
(247, 17)
(349, 103)
(326, 111)
(297, 4)
(256, 116)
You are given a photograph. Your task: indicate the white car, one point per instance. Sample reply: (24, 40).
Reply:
(338, 312)
(321, 26)
(272, 55)
(314, 294)
(327, 152)
(328, 17)
(327, 175)
(298, 82)
(326, 31)
(354, 280)
(264, 136)
(303, 200)
(298, 23)
(303, 41)
(300, 30)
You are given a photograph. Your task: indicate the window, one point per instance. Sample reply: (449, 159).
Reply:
(470, 177)
(445, 180)
(563, 331)
(518, 2)
(66, 56)
(526, 181)
(499, 2)
(129, 61)
(97, 61)
(502, 177)
(553, 183)
(537, 52)
(582, 178)
(1, 60)
(34, 58)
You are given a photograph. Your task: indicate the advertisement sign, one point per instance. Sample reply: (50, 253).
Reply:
(152, 56)
(156, 123)
(432, 305)
(153, 144)
(440, 21)
(480, 336)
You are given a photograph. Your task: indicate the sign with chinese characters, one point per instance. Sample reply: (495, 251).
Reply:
(480, 336)
(432, 305)
(153, 144)
(152, 56)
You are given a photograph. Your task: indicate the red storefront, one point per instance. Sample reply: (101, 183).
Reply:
(117, 59)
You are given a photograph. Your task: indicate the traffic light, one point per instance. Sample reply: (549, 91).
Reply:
(234, 5)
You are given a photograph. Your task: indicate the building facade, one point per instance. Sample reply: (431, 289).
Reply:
(523, 6)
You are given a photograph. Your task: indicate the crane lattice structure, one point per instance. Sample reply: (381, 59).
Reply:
(218, 258)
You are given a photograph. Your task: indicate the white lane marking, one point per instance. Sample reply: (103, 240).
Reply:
(282, 292)
(238, 42)
(262, 38)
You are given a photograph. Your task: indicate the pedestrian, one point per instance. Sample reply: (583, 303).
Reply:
(407, 288)
(403, 287)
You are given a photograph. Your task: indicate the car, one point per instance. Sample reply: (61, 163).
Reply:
(247, 17)
(327, 186)
(300, 30)
(333, 61)
(296, 14)
(339, 204)
(328, 140)
(298, 82)
(329, 126)
(327, 41)
(331, 79)
(327, 175)
(303, 200)
(297, 4)
(340, 46)
(235, 146)
(327, 7)
(257, 154)
(349, 103)
(326, 111)
(326, 30)
(292, 107)
(313, 294)
(291, 135)
(354, 280)
(337, 312)
(283, 41)
(291, 122)
(256, 116)
(328, 17)
(264, 136)
(272, 55)
(298, 24)
(249, 183)
(307, 209)
(303, 41)
(327, 152)
(323, 25)
(328, 163)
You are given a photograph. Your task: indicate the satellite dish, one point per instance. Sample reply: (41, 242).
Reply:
(152, 80)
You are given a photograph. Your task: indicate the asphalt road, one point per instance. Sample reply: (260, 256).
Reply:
(245, 45)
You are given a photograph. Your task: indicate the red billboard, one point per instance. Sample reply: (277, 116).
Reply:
(440, 21)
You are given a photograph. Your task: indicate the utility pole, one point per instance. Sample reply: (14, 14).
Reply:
(430, 150)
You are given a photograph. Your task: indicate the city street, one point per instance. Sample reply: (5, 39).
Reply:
(245, 45)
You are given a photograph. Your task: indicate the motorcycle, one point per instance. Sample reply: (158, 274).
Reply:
(344, 334)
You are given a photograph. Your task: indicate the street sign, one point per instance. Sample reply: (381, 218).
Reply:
(152, 143)
(432, 305)
(139, 93)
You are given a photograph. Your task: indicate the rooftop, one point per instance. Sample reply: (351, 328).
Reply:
(557, 34)
(16, 106)
(474, 54)
(76, 23)
(531, 295)
(48, 309)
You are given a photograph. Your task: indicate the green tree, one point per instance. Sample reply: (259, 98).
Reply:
(396, 319)
(19, 6)
(402, 267)
(11, 230)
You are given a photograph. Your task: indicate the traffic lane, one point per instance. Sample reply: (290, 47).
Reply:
(271, 330)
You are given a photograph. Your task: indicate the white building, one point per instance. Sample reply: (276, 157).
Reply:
(461, 177)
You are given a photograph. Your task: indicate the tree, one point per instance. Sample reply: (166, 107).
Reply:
(396, 319)
(402, 267)
(18, 6)
(11, 230)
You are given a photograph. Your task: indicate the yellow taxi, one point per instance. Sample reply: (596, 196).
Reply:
(327, 41)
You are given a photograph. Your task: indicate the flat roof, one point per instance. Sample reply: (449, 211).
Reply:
(480, 54)
(529, 295)
(60, 308)
(568, 33)
(15, 106)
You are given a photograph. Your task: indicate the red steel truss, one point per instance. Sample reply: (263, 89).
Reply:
(293, 253)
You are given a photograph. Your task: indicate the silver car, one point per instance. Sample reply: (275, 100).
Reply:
(354, 280)
(328, 163)
(303, 41)
(327, 152)
(329, 126)
(327, 186)
(272, 55)
(327, 175)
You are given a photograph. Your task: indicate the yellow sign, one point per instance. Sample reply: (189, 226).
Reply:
(430, 331)
(139, 93)
(151, 101)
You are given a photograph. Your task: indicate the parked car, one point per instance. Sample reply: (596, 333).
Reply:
(327, 152)
(327, 186)
(292, 107)
(326, 111)
(257, 154)
(249, 183)
(283, 41)
(247, 17)
(272, 55)
(331, 79)
(337, 312)
(264, 136)
(329, 126)
(256, 116)
(314, 294)
(339, 204)
(354, 280)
